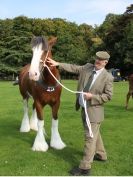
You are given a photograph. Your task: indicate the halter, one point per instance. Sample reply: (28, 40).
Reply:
(45, 57)
(41, 82)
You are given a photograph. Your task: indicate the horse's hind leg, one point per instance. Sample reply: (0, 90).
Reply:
(34, 119)
(56, 141)
(127, 99)
(25, 125)
(40, 143)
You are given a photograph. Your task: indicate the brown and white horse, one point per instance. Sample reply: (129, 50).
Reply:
(35, 81)
(130, 92)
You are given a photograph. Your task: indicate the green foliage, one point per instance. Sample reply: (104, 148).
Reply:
(128, 43)
(76, 43)
(117, 35)
(15, 50)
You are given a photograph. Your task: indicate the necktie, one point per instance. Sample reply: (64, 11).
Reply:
(86, 89)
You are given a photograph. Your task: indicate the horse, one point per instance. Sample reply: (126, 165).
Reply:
(130, 91)
(36, 81)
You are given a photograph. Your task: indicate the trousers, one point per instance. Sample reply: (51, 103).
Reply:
(92, 145)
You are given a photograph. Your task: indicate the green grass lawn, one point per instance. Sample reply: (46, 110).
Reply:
(17, 158)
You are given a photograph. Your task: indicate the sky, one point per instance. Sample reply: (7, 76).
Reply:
(91, 12)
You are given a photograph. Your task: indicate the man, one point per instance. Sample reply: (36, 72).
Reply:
(96, 94)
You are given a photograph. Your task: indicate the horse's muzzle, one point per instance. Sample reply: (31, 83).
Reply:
(34, 76)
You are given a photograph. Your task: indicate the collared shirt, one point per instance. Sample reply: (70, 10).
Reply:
(98, 72)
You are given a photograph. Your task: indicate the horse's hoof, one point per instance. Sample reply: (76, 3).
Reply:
(35, 128)
(25, 125)
(24, 129)
(33, 124)
(57, 145)
(40, 147)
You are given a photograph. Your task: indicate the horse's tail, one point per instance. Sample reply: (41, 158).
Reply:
(16, 82)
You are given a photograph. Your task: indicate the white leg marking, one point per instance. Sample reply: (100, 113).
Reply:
(56, 141)
(40, 144)
(25, 126)
(33, 121)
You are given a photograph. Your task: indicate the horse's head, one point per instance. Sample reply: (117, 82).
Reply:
(41, 50)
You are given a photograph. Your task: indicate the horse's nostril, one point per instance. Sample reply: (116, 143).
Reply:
(35, 73)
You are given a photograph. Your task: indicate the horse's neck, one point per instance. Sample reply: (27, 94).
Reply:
(48, 78)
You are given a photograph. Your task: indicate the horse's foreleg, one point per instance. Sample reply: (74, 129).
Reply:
(127, 99)
(56, 141)
(40, 143)
(34, 119)
(25, 126)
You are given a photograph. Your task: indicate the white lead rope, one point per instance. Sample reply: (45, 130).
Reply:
(86, 115)
(84, 101)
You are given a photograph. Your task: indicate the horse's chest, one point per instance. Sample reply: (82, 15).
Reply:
(45, 96)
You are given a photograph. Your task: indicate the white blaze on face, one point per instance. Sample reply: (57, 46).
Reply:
(34, 72)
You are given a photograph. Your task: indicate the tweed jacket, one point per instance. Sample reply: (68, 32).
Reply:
(102, 89)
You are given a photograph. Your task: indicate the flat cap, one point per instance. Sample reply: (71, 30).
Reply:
(103, 55)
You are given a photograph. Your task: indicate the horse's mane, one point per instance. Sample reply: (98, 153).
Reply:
(36, 41)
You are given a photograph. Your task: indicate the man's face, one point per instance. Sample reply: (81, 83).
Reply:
(99, 64)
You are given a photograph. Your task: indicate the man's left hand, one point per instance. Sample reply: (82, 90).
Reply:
(88, 95)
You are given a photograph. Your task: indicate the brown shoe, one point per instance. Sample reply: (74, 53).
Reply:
(98, 158)
(76, 171)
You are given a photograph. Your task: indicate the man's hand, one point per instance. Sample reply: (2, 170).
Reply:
(52, 62)
(88, 95)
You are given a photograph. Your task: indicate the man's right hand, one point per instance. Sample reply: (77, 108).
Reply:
(52, 62)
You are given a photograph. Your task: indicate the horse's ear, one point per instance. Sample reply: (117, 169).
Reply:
(52, 41)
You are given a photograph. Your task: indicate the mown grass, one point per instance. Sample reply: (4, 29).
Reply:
(17, 158)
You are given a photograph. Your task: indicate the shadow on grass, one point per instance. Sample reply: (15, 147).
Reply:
(12, 135)
(69, 154)
(9, 129)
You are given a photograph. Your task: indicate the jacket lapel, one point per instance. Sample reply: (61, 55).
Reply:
(99, 79)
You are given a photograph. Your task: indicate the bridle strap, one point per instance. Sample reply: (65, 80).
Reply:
(45, 57)
(40, 82)
(41, 61)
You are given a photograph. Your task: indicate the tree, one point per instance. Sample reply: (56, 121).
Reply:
(116, 33)
(15, 44)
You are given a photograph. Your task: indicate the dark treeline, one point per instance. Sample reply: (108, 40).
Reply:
(76, 43)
